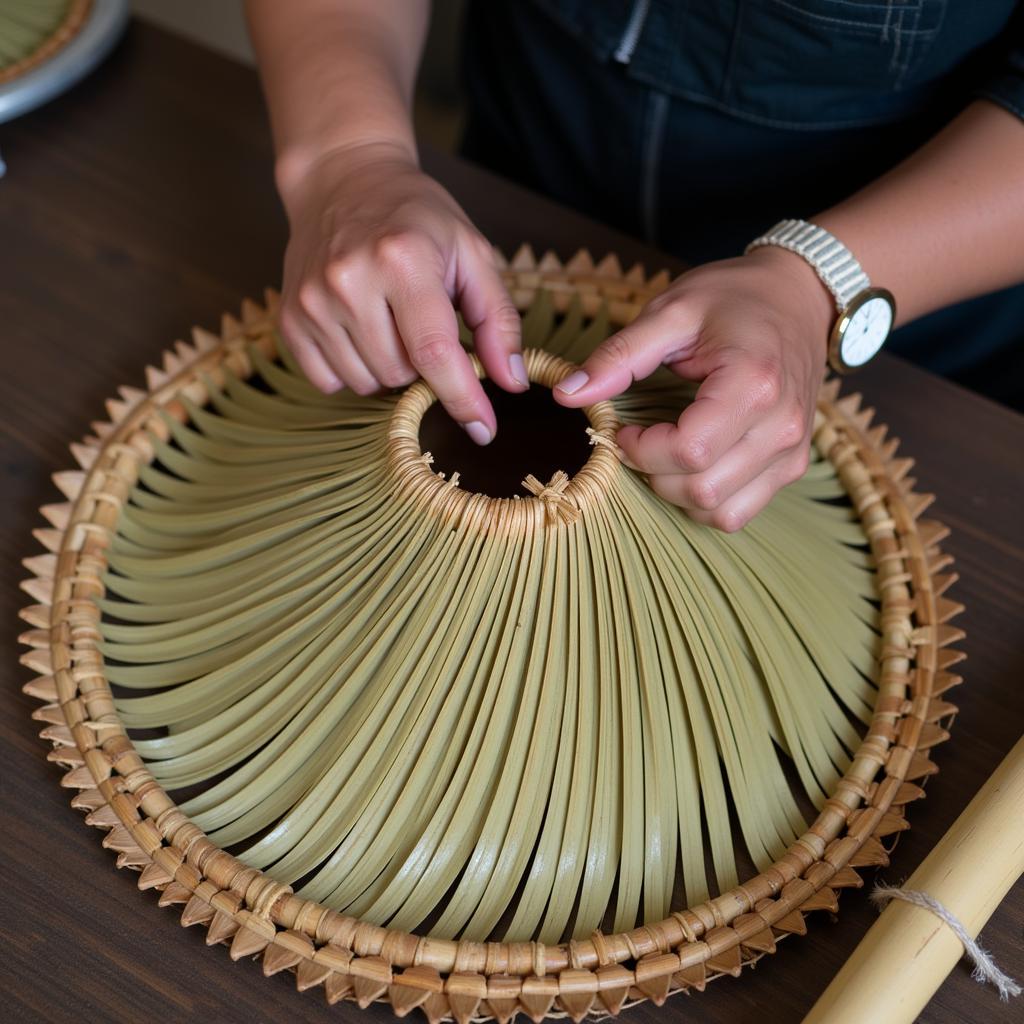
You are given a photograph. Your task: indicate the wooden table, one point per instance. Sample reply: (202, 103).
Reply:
(143, 203)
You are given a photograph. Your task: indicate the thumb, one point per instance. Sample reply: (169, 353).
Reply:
(631, 354)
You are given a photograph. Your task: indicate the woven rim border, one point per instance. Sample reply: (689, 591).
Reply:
(71, 24)
(468, 981)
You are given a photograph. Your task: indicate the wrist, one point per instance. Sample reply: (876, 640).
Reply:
(809, 297)
(298, 168)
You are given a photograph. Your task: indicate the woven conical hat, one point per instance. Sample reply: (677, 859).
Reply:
(480, 755)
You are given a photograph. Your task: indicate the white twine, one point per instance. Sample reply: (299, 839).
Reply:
(984, 966)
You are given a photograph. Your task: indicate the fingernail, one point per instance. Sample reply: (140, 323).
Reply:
(478, 431)
(573, 382)
(517, 368)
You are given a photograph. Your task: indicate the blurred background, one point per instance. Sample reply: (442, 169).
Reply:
(220, 25)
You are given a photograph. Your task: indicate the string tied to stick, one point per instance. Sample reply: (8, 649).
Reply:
(984, 966)
(557, 504)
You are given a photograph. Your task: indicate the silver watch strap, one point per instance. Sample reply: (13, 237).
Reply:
(832, 261)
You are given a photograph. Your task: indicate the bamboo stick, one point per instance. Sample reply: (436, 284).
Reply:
(909, 951)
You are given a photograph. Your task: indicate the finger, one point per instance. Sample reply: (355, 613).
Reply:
(316, 368)
(730, 402)
(325, 327)
(489, 313)
(631, 354)
(376, 339)
(337, 348)
(308, 355)
(426, 322)
(672, 448)
(738, 510)
(743, 463)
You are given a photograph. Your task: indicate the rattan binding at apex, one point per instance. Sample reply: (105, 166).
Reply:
(352, 959)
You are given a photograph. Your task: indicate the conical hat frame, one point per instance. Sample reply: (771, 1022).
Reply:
(358, 961)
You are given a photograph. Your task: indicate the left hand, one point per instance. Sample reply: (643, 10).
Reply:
(753, 330)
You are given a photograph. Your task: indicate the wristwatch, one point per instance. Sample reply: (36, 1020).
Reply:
(866, 314)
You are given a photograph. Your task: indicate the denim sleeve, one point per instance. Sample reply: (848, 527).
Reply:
(1006, 86)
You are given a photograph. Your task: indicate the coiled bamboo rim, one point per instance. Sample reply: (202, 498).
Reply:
(562, 499)
(462, 980)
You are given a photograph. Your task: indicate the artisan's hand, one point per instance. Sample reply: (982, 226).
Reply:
(754, 330)
(378, 254)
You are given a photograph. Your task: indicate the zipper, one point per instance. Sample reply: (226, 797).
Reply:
(635, 25)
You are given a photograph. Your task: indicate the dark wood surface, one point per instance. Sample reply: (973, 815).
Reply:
(143, 203)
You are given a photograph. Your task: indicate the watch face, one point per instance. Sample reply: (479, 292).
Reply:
(867, 327)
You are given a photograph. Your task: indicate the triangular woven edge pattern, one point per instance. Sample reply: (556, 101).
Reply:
(463, 981)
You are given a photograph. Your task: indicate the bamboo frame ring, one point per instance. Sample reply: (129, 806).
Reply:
(446, 979)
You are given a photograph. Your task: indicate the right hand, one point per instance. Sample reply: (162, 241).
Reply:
(378, 256)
